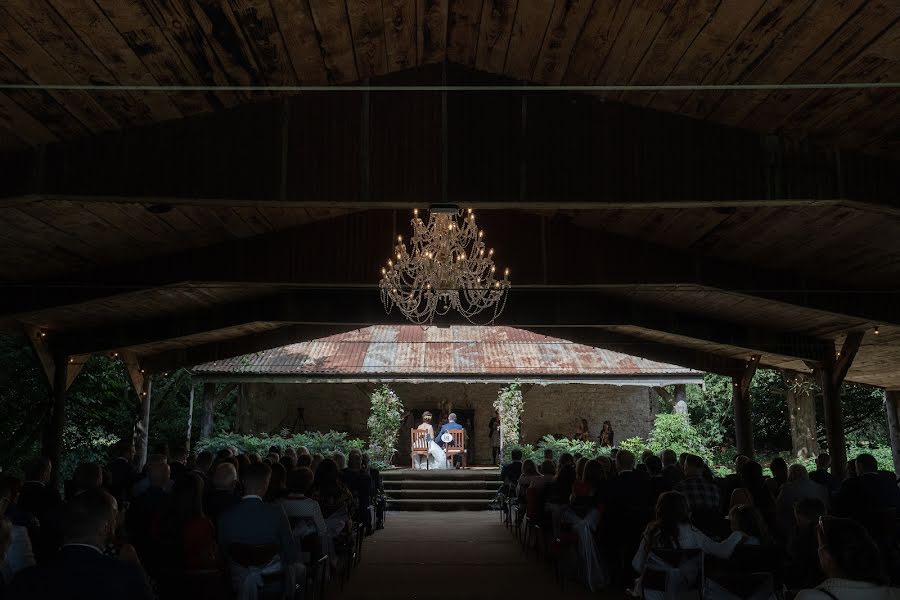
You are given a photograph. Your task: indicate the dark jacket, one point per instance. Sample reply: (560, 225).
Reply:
(256, 522)
(81, 573)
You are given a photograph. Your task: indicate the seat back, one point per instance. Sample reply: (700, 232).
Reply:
(673, 571)
(458, 445)
(418, 441)
(253, 555)
(534, 498)
(741, 586)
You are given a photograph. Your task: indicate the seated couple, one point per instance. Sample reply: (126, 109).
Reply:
(436, 457)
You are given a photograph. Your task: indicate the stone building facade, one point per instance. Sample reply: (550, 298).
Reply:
(549, 409)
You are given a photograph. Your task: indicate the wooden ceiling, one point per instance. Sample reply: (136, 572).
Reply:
(548, 42)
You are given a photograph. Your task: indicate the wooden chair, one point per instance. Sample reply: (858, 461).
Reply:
(418, 445)
(457, 447)
(257, 556)
(675, 571)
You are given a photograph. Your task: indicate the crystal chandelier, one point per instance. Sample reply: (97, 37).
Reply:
(446, 268)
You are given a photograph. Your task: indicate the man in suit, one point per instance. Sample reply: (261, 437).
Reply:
(223, 496)
(450, 425)
(253, 521)
(121, 469)
(868, 492)
(821, 475)
(40, 499)
(80, 571)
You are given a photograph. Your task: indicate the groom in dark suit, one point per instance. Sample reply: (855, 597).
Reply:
(449, 426)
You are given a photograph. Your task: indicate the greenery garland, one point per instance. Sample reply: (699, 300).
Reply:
(509, 405)
(384, 424)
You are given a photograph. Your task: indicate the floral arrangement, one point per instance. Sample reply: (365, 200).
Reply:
(384, 424)
(509, 405)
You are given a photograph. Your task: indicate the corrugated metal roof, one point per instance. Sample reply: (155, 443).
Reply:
(410, 350)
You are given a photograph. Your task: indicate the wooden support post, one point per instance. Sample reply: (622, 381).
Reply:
(190, 418)
(53, 439)
(142, 435)
(209, 407)
(831, 375)
(140, 382)
(892, 405)
(743, 422)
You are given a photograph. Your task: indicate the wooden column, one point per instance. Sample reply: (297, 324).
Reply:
(743, 422)
(190, 419)
(892, 405)
(209, 407)
(56, 423)
(831, 375)
(142, 433)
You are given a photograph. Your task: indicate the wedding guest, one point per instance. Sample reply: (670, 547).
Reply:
(223, 495)
(798, 487)
(359, 483)
(548, 473)
(754, 491)
(821, 475)
(87, 476)
(510, 473)
(672, 529)
(607, 436)
(732, 481)
(277, 484)
(748, 521)
(145, 516)
(580, 462)
(333, 496)
(671, 471)
(301, 450)
(19, 554)
(178, 462)
(187, 527)
(340, 460)
(548, 454)
(122, 471)
(304, 461)
(529, 474)
(869, 491)
(316, 461)
(494, 438)
(5, 540)
(80, 571)
(851, 562)
(582, 431)
(803, 569)
(297, 505)
(779, 470)
(702, 494)
(202, 465)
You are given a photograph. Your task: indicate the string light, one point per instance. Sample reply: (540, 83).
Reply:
(876, 330)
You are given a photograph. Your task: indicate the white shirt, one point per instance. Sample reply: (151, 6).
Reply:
(691, 538)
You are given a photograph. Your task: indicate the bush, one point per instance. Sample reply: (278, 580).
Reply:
(509, 406)
(675, 433)
(321, 443)
(560, 446)
(635, 445)
(384, 424)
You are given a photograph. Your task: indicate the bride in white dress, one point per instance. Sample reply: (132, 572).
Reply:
(436, 458)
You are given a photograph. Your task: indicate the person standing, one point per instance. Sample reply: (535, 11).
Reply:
(607, 435)
(494, 434)
(582, 431)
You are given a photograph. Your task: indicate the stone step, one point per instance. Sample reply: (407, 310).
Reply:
(441, 494)
(438, 505)
(429, 484)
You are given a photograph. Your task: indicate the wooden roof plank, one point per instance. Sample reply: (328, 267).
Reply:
(843, 47)
(29, 56)
(528, 33)
(685, 21)
(796, 45)
(295, 21)
(566, 23)
(43, 107)
(463, 26)
(598, 35)
(224, 50)
(104, 41)
(432, 16)
(774, 20)
(367, 28)
(400, 33)
(330, 18)
(638, 33)
(494, 32)
(53, 34)
(149, 43)
(264, 40)
(725, 25)
(16, 118)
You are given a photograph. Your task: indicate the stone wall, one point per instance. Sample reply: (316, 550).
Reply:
(555, 408)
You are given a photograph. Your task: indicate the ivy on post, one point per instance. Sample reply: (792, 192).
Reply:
(509, 405)
(384, 424)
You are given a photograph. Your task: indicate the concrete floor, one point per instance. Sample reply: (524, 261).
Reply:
(461, 555)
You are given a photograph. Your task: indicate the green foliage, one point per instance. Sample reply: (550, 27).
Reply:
(675, 433)
(316, 442)
(560, 446)
(509, 405)
(384, 424)
(635, 445)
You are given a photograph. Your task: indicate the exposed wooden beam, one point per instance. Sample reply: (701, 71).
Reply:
(37, 338)
(845, 357)
(359, 307)
(664, 394)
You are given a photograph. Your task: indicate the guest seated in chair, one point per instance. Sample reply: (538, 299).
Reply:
(254, 522)
(80, 571)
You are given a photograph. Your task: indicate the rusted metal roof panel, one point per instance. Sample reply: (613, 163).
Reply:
(434, 351)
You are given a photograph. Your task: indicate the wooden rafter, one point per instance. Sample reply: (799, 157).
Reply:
(845, 358)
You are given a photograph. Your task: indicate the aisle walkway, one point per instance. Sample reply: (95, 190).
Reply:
(439, 555)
